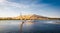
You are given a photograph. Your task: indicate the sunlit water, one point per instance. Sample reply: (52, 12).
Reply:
(36, 26)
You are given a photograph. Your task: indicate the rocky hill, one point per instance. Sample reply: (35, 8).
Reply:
(32, 17)
(35, 17)
(29, 17)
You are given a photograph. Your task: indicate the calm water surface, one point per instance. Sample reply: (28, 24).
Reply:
(36, 26)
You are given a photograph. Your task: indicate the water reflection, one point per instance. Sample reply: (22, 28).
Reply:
(25, 26)
(53, 22)
(36, 26)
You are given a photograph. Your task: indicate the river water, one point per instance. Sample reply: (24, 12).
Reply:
(35, 26)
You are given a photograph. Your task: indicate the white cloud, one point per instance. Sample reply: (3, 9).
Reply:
(14, 9)
(2, 1)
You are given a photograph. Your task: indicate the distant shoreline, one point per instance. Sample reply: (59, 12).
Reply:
(29, 17)
(15, 19)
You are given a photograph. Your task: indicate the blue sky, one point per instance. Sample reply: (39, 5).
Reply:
(48, 8)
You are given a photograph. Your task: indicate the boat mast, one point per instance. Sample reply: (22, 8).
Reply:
(21, 16)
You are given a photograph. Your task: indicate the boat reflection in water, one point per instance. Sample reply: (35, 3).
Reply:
(37, 26)
(29, 26)
(25, 24)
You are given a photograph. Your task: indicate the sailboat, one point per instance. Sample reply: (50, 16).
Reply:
(24, 21)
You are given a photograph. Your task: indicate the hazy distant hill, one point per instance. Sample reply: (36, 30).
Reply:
(35, 17)
(32, 17)
(29, 17)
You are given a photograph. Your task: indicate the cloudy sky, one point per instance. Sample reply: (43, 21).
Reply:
(48, 8)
